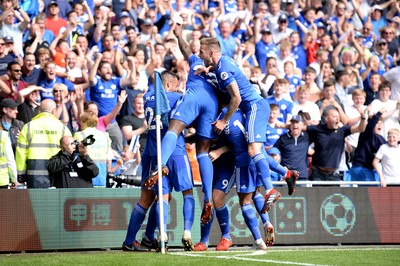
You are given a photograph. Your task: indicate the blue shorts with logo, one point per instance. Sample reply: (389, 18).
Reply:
(257, 115)
(224, 178)
(246, 178)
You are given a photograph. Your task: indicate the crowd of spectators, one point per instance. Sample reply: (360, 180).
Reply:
(331, 63)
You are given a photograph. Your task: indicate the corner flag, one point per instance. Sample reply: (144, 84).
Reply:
(161, 111)
(162, 105)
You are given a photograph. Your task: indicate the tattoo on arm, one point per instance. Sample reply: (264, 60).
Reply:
(234, 93)
(185, 48)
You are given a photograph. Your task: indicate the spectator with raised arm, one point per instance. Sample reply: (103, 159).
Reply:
(104, 90)
(14, 82)
(16, 30)
(358, 97)
(329, 144)
(368, 144)
(30, 102)
(54, 21)
(228, 42)
(265, 48)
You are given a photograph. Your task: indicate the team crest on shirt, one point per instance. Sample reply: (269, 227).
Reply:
(113, 86)
(224, 75)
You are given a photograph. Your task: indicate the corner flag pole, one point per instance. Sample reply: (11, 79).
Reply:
(161, 111)
(160, 187)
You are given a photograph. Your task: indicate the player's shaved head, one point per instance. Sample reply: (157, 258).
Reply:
(167, 75)
(170, 80)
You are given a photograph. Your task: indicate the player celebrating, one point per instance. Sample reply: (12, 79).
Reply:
(179, 178)
(198, 105)
(233, 82)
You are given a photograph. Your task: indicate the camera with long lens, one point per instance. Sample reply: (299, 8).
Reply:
(89, 140)
(117, 180)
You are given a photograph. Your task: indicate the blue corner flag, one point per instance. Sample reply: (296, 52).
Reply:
(162, 104)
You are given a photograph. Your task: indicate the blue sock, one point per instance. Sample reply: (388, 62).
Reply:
(168, 144)
(275, 166)
(188, 212)
(165, 210)
(206, 173)
(136, 220)
(258, 200)
(223, 220)
(205, 230)
(151, 222)
(251, 220)
(263, 168)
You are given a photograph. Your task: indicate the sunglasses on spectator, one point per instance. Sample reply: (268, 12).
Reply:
(57, 91)
(382, 44)
(16, 70)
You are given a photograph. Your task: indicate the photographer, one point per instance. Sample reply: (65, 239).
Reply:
(72, 167)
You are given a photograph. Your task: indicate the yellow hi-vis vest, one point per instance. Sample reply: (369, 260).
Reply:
(37, 143)
(4, 171)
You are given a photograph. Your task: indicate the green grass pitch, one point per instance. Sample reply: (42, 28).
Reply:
(360, 255)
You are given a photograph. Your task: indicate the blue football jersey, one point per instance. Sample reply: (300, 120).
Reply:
(149, 107)
(208, 82)
(235, 133)
(228, 72)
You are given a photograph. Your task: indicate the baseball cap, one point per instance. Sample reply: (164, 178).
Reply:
(376, 7)
(124, 14)
(296, 118)
(8, 102)
(381, 40)
(264, 31)
(320, 25)
(358, 34)
(147, 21)
(273, 150)
(52, 3)
(206, 13)
(8, 39)
(282, 18)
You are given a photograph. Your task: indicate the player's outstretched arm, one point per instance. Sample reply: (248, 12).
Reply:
(183, 45)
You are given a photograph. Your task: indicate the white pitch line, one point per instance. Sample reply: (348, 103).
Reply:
(328, 249)
(280, 250)
(243, 259)
(254, 253)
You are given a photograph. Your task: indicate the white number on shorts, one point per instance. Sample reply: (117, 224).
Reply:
(225, 183)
